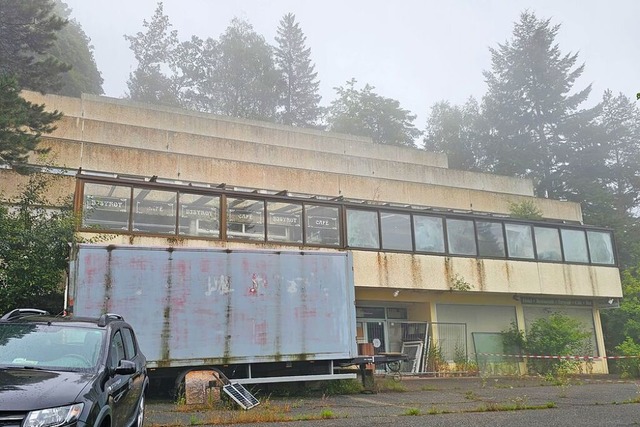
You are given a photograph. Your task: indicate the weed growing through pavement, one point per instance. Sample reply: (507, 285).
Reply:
(412, 412)
(327, 414)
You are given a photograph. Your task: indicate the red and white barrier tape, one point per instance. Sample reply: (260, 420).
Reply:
(535, 356)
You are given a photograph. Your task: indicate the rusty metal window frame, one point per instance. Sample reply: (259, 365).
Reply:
(223, 192)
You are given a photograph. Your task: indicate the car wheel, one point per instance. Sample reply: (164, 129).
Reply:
(140, 414)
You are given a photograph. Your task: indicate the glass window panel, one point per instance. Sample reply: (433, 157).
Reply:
(322, 225)
(245, 219)
(106, 207)
(429, 233)
(284, 222)
(574, 243)
(548, 243)
(490, 239)
(154, 211)
(461, 237)
(396, 231)
(362, 229)
(519, 240)
(199, 215)
(600, 247)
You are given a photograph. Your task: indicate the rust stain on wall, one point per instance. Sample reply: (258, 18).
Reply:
(482, 277)
(416, 271)
(165, 336)
(383, 269)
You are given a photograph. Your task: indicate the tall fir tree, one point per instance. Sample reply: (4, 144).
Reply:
(531, 107)
(73, 46)
(28, 30)
(300, 100)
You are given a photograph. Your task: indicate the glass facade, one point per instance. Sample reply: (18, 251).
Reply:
(461, 237)
(106, 207)
(199, 215)
(396, 231)
(154, 211)
(137, 209)
(362, 229)
(245, 219)
(574, 243)
(284, 222)
(490, 239)
(519, 241)
(322, 226)
(429, 233)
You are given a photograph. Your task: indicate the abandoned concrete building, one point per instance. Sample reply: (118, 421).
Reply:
(436, 254)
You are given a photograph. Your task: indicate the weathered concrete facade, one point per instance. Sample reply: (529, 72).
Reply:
(120, 137)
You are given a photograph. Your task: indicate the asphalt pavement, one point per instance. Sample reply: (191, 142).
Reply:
(461, 401)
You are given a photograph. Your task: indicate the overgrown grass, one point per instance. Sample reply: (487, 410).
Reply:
(412, 412)
(391, 385)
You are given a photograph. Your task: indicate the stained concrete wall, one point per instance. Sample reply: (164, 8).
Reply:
(437, 273)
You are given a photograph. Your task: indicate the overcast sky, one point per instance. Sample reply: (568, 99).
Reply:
(417, 52)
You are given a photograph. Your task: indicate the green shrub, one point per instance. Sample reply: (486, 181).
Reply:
(556, 335)
(629, 368)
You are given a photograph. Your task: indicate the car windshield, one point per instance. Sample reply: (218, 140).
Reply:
(47, 346)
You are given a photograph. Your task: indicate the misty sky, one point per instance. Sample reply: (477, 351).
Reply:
(418, 52)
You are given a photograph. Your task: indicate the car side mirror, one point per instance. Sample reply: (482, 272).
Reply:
(125, 367)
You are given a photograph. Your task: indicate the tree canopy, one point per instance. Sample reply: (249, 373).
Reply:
(363, 112)
(531, 109)
(73, 47)
(29, 29)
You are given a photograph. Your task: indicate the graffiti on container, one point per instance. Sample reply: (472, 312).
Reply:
(221, 285)
(258, 281)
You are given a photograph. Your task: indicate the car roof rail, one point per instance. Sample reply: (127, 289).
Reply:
(108, 317)
(22, 312)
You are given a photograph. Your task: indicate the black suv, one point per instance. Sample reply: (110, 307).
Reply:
(70, 371)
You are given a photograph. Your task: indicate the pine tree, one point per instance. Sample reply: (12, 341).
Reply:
(73, 47)
(300, 101)
(530, 105)
(21, 124)
(28, 30)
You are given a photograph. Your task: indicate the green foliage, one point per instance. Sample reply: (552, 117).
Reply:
(28, 31)
(365, 113)
(21, 124)
(34, 246)
(454, 131)
(531, 108)
(73, 47)
(526, 209)
(153, 50)
(629, 368)
(555, 335)
(459, 284)
(300, 99)
(624, 323)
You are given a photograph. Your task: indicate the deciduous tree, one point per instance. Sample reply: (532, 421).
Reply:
(363, 112)
(455, 131)
(154, 49)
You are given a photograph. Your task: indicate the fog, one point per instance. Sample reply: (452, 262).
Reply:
(417, 52)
